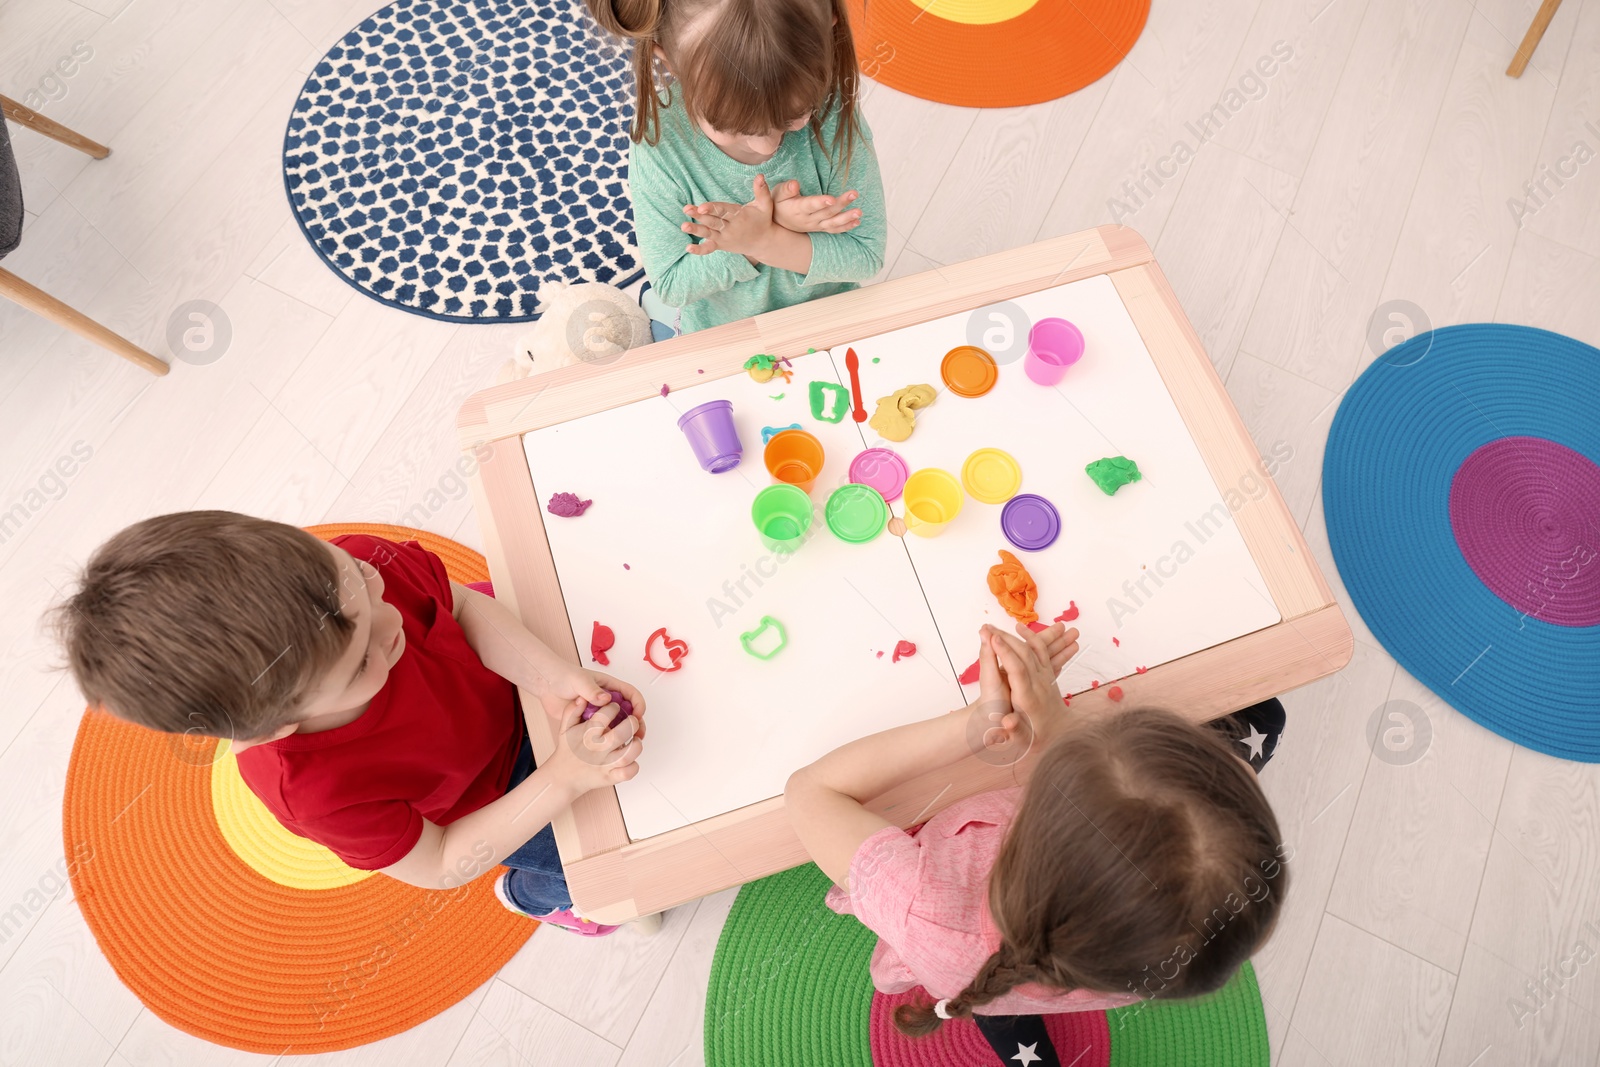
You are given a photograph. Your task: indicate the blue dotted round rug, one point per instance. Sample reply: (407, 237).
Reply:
(449, 158)
(1462, 491)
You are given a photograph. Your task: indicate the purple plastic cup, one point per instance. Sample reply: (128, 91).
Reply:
(1053, 346)
(712, 435)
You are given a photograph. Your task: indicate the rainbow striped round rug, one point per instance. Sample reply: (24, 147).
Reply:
(228, 927)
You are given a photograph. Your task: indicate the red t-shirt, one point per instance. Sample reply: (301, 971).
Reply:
(438, 741)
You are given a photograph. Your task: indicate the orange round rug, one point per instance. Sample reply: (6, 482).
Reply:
(230, 928)
(993, 53)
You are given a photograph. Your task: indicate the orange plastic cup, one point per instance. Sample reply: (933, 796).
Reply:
(795, 457)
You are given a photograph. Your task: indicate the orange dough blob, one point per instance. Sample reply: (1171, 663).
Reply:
(1014, 587)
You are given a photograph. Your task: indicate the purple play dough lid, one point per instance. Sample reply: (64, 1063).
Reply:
(1030, 522)
(882, 469)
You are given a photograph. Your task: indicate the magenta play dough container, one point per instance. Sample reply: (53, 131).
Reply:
(1053, 346)
(882, 469)
(712, 435)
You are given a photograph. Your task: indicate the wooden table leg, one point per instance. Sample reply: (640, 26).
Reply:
(26, 116)
(1541, 22)
(42, 303)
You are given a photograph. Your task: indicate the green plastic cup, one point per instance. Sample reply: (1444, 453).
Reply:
(782, 514)
(856, 513)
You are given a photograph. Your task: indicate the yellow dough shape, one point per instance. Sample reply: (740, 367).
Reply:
(896, 414)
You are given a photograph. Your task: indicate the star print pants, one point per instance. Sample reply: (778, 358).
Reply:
(1022, 1038)
(1014, 1037)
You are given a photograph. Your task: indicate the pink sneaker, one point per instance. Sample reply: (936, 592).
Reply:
(565, 918)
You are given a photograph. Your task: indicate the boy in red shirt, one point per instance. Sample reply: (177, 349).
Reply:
(371, 701)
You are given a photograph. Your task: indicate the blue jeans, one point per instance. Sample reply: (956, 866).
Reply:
(536, 883)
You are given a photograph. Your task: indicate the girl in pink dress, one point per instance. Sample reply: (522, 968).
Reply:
(1137, 859)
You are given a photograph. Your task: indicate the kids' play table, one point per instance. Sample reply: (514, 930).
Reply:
(1192, 587)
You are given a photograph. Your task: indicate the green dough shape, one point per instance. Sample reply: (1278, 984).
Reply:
(820, 394)
(762, 360)
(767, 623)
(780, 396)
(1112, 473)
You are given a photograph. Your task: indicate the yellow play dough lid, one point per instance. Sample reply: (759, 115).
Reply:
(991, 476)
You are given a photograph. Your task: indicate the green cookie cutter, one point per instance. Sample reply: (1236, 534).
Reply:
(767, 623)
(822, 393)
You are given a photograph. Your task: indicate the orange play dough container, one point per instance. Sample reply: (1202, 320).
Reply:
(795, 457)
(969, 371)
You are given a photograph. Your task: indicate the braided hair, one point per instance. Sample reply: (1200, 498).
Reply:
(1144, 859)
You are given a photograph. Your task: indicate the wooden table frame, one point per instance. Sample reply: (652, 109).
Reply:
(614, 879)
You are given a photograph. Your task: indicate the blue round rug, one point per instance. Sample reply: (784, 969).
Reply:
(449, 158)
(1462, 491)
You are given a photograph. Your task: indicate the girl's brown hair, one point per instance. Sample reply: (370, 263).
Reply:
(205, 622)
(743, 66)
(1144, 859)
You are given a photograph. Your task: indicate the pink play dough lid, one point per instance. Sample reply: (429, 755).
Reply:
(882, 469)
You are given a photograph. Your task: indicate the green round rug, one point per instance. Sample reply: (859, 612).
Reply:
(789, 983)
(1227, 1028)
(790, 988)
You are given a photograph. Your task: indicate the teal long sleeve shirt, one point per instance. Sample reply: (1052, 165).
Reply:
(686, 167)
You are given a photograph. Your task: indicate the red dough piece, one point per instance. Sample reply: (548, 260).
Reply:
(880, 655)
(1067, 701)
(674, 648)
(665, 390)
(1115, 692)
(1141, 670)
(903, 649)
(1114, 641)
(1068, 615)
(970, 675)
(601, 641)
(1037, 627)
(1095, 684)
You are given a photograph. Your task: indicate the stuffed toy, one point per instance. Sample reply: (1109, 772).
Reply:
(583, 322)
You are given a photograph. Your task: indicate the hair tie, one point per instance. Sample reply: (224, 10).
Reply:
(938, 1009)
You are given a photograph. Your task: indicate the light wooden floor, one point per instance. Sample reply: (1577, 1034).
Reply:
(1377, 166)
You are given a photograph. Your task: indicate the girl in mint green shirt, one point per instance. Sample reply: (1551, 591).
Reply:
(753, 178)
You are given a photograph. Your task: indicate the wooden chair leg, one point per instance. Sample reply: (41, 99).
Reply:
(1541, 22)
(26, 116)
(42, 303)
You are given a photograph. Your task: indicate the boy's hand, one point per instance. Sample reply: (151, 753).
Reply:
(1031, 664)
(743, 229)
(568, 682)
(813, 214)
(588, 755)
